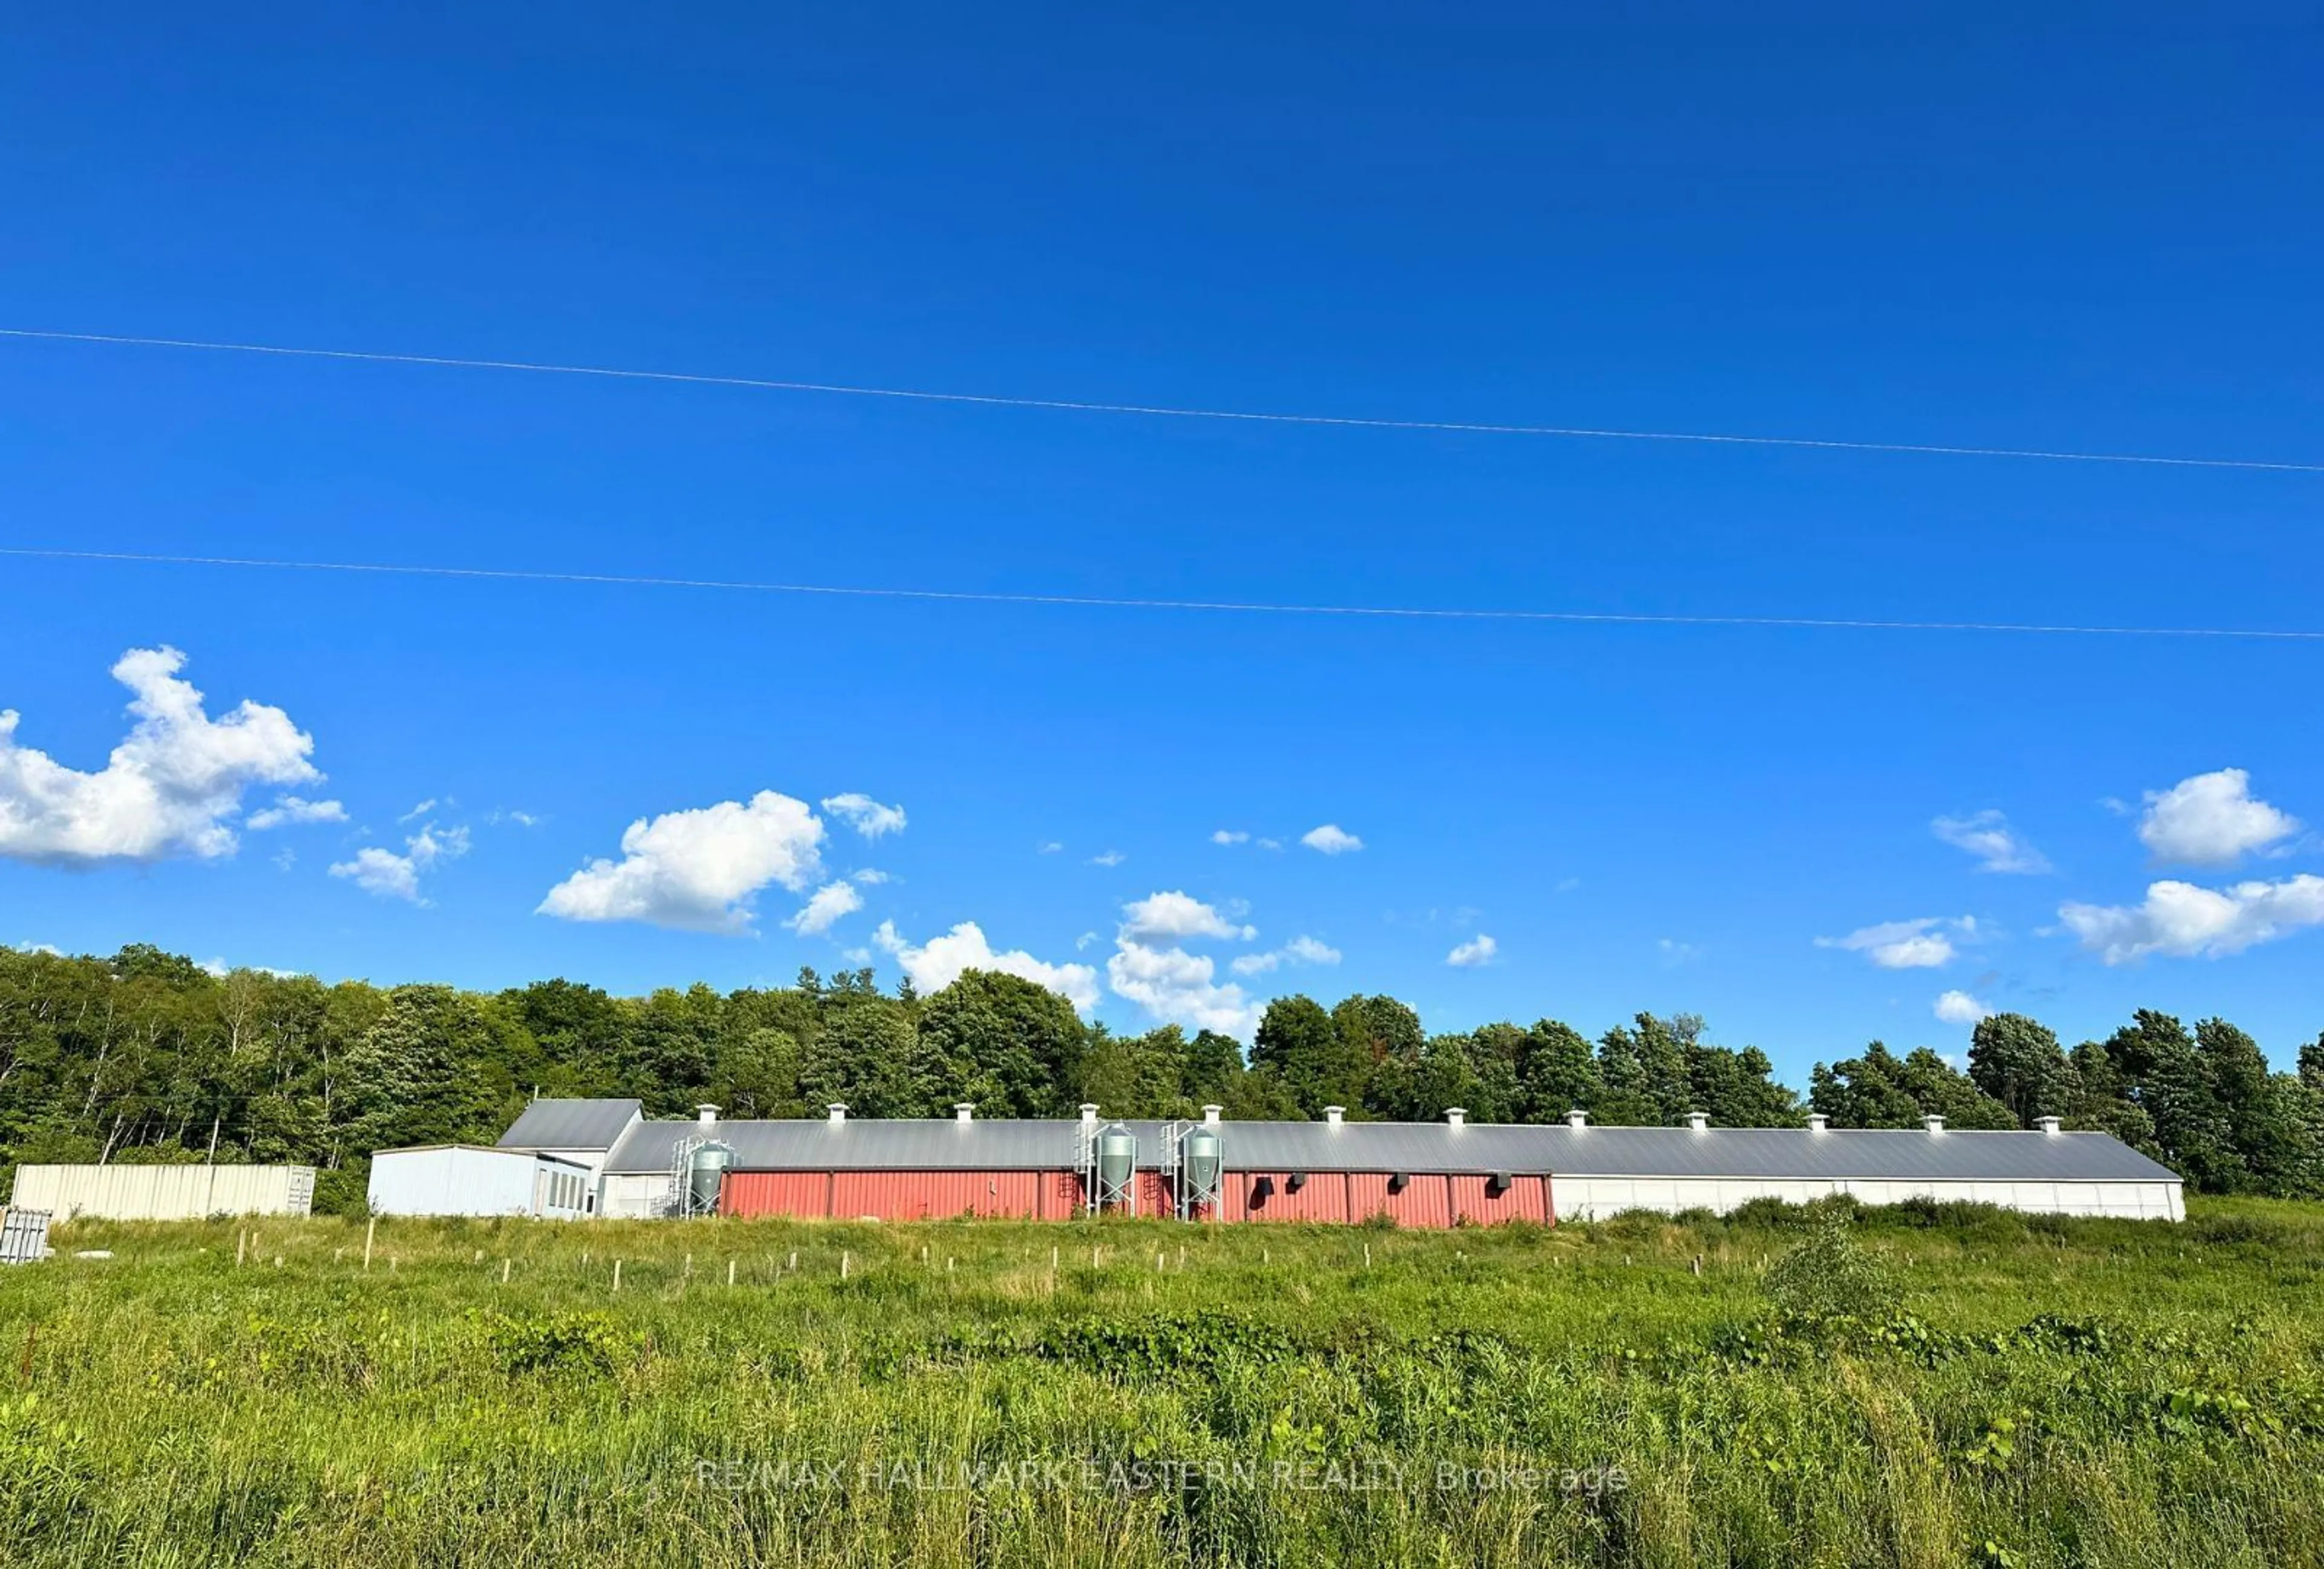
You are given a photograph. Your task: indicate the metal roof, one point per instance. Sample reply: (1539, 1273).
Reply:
(875, 1144)
(570, 1125)
(866, 1144)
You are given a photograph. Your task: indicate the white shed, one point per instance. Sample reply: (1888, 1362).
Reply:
(474, 1179)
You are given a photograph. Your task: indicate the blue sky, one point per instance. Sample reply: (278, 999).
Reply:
(2092, 230)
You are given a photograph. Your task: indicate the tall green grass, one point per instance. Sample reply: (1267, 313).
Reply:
(2044, 1392)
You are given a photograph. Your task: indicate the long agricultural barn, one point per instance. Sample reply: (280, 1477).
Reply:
(1415, 1174)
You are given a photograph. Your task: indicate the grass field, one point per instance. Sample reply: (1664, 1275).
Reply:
(2042, 1393)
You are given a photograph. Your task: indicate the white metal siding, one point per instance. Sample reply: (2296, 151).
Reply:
(636, 1196)
(165, 1193)
(1583, 1198)
(470, 1181)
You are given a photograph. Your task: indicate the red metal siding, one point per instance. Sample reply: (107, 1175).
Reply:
(1324, 1197)
(775, 1193)
(1426, 1199)
(1526, 1198)
(921, 1195)
(1154, 1195)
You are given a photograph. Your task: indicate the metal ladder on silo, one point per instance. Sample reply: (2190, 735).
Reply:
(1173, 1133)
(1085, 1164)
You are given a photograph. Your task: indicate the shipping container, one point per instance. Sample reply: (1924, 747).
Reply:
(164, 1193)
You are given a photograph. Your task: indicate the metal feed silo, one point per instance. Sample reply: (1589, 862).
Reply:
(706, 1173)
(1202, 1166)
(1115, 1163)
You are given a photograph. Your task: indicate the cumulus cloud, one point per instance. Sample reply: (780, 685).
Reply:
(822, 911)
(2212, 820)
(699, 870)
(1229, 836)
(2183, 921)
(1299, 950)
(291, 810)
(171, 787)
(945, 959)
(1173, 916)
(1173, 984)
(1997, 846)
(388, 875)
(1906, 944)
(1151, 967)
(1477, 951)
(1110, 858)
(1330, 839)
(1961, 1008)
(864, 815)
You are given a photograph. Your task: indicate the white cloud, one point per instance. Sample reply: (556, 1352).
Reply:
(864, 815)
(830, 902)
(421, 811)
(388, 875)
(1906, 944)
(1478, 951)
(2181, 920)
(50, 949)
(1270, 843)
(1174, 916)
(871, 877)
(170, 787)
(285, 858)
(1961, 1008)
(963, 948)
(1675, 953)
(1229, 836)
(1299, 950)
(1083, 941)
(1330, 839)
(510, 814)
(2210, 820)
(1110, 858)
(1180, 987)
(1050, 848)
(1308, 951)
(697, 870)
(291, 810)
(1997, 846)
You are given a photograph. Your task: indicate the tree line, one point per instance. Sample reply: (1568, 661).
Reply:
(147, 1057)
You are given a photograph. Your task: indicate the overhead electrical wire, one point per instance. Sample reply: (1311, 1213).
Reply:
(1149, 410)
(1226, 606)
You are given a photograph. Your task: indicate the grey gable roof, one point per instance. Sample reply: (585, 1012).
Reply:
(570, 1125)
(865, 1144)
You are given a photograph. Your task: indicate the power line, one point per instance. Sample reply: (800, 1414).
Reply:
(1240, 607)
(1155, 411)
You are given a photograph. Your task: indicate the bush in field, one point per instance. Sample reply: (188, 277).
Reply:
(1827, 1274)
(586, 1342)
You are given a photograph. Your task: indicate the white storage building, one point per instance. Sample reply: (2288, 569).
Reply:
(163, 1193)
(475, 1179)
